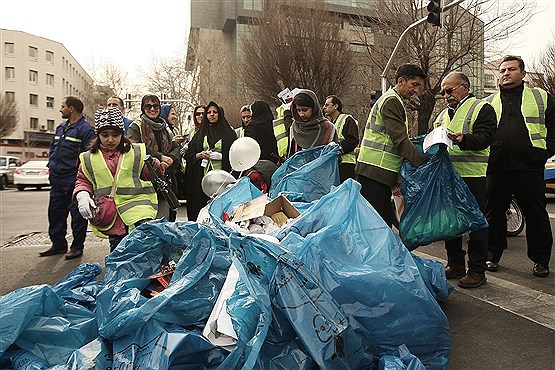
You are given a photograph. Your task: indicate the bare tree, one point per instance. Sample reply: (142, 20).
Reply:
(469, 35)
(545, 68)
(112, 75)
(9, 116)
(169, 79)
(296, 45)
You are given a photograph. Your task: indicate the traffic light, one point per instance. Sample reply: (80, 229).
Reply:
(434, 15)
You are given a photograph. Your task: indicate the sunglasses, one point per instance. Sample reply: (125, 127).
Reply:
(449, 90)
(199, 114)
(150, 106)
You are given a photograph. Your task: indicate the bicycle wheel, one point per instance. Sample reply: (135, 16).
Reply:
(515, 219)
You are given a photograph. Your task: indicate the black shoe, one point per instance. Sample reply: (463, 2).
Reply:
(492, 266)
(540, 270)
(52, 251)
(74, 253)
(454, 271)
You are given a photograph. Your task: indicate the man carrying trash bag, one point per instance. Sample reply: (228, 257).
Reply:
(471, 124)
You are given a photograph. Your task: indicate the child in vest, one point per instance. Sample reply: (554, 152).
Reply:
(113, 156)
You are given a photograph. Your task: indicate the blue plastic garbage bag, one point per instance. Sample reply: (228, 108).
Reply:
(202, 263)
(241, 192)
(401, 360)
(311, 171)
(254, 315)
(159, 346)
(433, 273)
(39, 320)
(371, 275)
(438, 204)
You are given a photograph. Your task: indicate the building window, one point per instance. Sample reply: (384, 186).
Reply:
(10, 73)
(34, 123)
(49, 57)
(49, 102)
(489, 81)
(33, 52)
(49, 80)
(34, 100)
(10, 96)
(9, 49)
(253, 4)
(50, 125)
(33, 76)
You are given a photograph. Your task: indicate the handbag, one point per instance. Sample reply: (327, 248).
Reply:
(105, 211)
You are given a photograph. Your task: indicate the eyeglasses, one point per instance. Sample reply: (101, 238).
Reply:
(449, 90)
(150, 106)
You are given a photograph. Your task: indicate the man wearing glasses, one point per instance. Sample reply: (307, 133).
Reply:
(471, 125)
(524, 140)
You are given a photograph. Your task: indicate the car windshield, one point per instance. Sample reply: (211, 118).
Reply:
(3, 161)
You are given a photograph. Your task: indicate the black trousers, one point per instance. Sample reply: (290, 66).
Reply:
(346, 171)
(529, 191)
(379, 196)
(59, 207)
(478, 244)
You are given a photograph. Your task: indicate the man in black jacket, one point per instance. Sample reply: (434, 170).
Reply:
(524, 140)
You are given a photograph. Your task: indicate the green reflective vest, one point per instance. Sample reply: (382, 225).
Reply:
(468, 163)
(533, 107)
(281, 136)
(339, 123)
(377, 148)
(135, 199)
(213, 164)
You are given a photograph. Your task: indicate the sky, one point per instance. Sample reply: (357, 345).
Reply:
(129, 33)
(122, 32)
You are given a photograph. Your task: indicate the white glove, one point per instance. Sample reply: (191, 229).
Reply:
(85, 204)
(216, 156)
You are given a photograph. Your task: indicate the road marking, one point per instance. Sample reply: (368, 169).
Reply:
(528, 303)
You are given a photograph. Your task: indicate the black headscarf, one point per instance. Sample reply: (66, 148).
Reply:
(214, 132)
(260, 128)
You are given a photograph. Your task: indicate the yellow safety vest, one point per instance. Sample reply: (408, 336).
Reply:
(135, 199)
(214, 164)
(339, 123)
(377, 148)
(468, 163)
(280, 132)
(533, 107)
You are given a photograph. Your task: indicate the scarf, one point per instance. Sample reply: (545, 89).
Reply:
(148, 126)
(315, 132)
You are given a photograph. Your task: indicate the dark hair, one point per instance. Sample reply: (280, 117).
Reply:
(409, 71)
(123, 147)
(148, 97)
(336, 101)
(508, 58)
(303, 100)
(118, 98)
(76, 103)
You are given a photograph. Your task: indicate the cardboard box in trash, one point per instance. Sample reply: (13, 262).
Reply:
(279, 209)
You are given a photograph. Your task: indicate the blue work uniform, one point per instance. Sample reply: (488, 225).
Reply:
(63, 161)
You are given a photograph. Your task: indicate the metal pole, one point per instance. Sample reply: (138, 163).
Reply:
(401, 38)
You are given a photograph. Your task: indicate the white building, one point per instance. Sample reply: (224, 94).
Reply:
(37, 73)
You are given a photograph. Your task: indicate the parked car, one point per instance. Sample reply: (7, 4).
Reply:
(8, 165)
(32, 174)
(549, 175)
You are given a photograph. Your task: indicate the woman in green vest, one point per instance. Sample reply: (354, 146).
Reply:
(115, 166)
(208, 149)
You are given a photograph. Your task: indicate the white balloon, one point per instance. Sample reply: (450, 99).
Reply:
(244, 153)
(215, 182)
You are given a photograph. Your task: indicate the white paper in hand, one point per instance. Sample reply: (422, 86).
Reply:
(437, 136)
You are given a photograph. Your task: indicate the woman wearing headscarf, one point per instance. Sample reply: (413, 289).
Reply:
(260, 128)
(153, 130)
(309, 128)
(209, 149)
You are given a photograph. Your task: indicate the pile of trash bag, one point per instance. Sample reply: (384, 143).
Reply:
(334, 288)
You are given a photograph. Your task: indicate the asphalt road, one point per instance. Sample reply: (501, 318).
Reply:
(509, 323)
